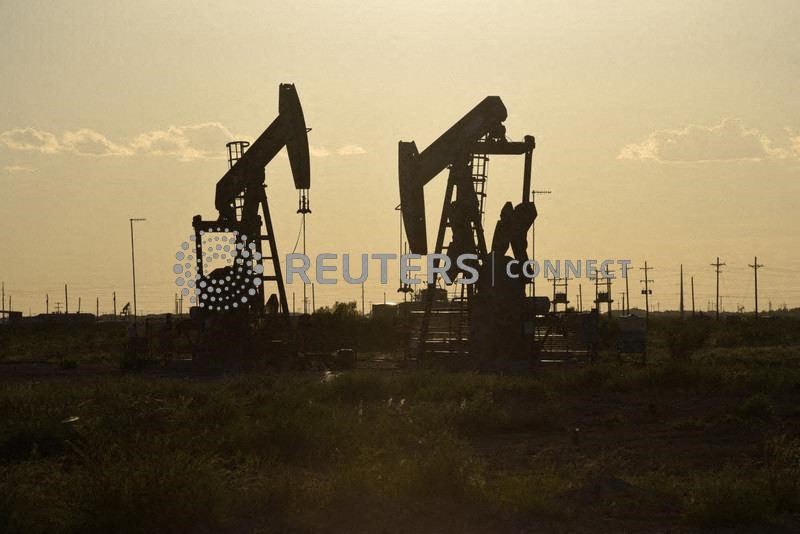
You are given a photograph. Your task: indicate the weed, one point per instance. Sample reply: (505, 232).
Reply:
(726, 499)
(757, 406)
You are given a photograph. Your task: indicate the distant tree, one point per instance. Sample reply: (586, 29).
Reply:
(341, 310)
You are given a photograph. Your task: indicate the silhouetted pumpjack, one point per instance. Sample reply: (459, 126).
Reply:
(241, 200)
(464, 149)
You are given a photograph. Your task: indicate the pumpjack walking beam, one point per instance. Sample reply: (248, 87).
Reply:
(481, 131)
(287, 130)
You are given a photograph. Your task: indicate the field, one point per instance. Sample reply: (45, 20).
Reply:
(705, 436)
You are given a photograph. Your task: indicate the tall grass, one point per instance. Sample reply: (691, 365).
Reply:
(296, 453)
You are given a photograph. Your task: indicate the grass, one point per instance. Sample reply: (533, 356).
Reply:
(708, 442)
(65, 344)
(727, 500)
(180, 455)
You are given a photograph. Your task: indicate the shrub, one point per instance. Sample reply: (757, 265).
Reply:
(757, 407)
(727, 500)
(684, 338)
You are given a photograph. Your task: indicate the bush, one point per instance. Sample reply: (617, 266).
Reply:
(747, 331)
(684, 338)
(727, 500)
(757, 407)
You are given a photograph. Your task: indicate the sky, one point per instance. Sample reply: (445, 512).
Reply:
(667, 131)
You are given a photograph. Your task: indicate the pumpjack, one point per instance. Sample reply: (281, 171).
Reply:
(237, 253)
(488, 318)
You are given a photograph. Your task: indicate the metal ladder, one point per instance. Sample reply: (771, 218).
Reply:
(479, 175)
(455, 342)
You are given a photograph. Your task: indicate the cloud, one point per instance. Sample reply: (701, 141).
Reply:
(197, 141)
(729, 140)
(18, 169)
(318, 151)
(351, 150)
(30, 140)
(85, 142)
(794, 142)
(347, 150)
(186, 143)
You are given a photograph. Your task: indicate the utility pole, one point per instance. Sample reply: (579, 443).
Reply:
(580, 298)
(646, 291)
(133, 264)
(66, 299)
(47, 304)
(608, 291)
(566, 292)
(114, 297)
(533, 237)
(404, 288)
(692, 279)
(313, 300)
(717, 265)
(756, 266)
(627, 295)
(79, 304)
(681, 306)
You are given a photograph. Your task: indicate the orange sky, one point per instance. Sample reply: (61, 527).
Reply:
(667, 131)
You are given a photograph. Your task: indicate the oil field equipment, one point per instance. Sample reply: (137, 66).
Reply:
(492, 322)
(237, 254)
(487, 317)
